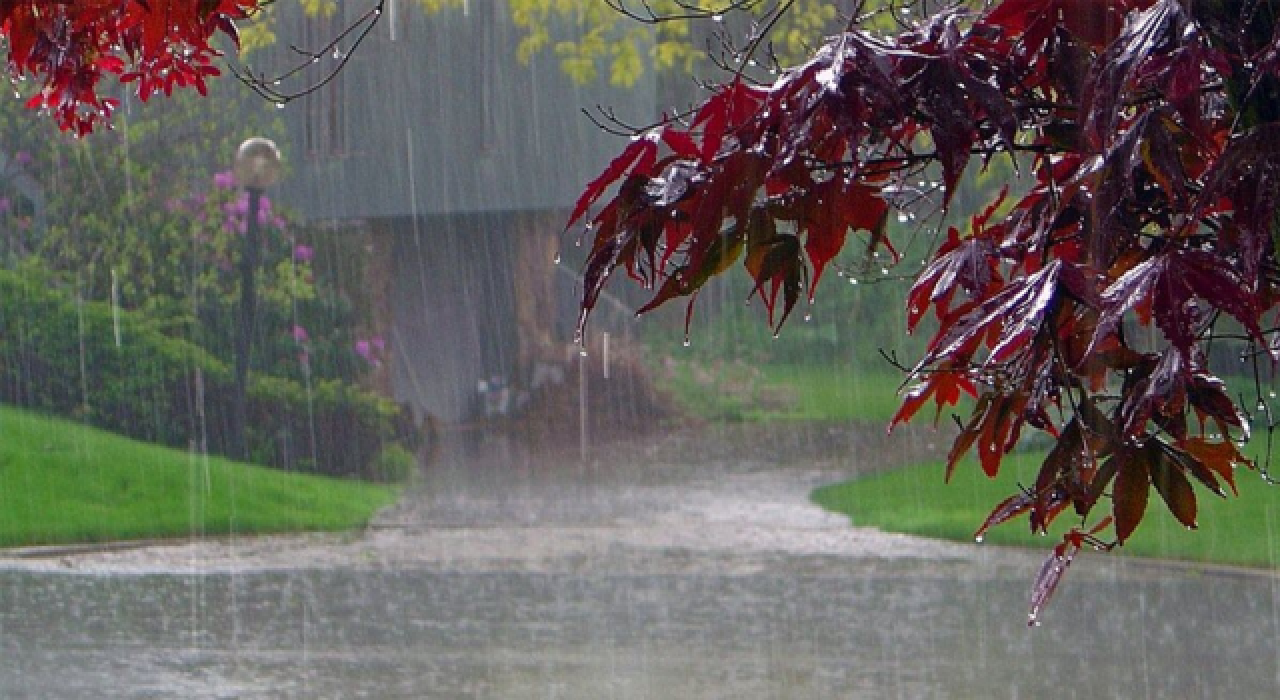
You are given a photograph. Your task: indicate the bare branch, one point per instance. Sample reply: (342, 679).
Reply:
(274, 88)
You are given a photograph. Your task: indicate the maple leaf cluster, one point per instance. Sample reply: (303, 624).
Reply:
(68, 47)
(1149, 131)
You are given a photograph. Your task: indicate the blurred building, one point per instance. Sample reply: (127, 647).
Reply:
(460, 163)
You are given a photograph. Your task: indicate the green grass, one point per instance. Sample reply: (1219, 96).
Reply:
(61, 482)
(1241, 531)
(770, 392)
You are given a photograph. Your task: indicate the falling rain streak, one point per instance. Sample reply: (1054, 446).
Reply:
(456, 495)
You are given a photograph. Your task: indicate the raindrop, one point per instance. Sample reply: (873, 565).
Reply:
(280, 105)
(853, 281)
(1262, 406)
(338, 55)
(582, 352)
(808, 318)
(978, 539)
(686, 342)
(902, 217)
(1271, 394)
(884, 270)
(717, 18)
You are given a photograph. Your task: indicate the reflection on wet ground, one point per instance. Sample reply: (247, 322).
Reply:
(668, 569)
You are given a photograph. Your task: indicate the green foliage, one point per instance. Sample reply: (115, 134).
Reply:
(117, 206)
(394, 464)
(64, 482)
(145, 220)
(592, 39)
(121, 371)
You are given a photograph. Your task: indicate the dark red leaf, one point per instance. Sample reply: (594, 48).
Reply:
(1221, 457)
(1146, 33)
(637, 157)
(1129, 494)
(943, 385)
(1007, 510)
(1051, 573)
(1172, 485)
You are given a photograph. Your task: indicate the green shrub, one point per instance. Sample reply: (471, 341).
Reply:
(117, 371)
(394, 464)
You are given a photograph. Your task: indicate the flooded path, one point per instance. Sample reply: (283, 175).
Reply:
(663, 569)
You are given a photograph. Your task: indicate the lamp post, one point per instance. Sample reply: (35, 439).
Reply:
(257, 167)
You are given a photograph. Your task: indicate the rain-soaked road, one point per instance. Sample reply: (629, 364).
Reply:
(664, 570)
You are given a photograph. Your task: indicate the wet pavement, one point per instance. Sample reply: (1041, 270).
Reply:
(662, 568)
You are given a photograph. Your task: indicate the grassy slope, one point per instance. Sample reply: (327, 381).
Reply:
(62, 482)
(915, 500)
(786, 393)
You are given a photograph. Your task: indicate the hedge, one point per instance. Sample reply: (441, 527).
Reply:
(118, 371)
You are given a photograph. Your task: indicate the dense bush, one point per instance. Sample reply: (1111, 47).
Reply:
(115, 370)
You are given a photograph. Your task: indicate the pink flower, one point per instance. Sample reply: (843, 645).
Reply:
(303, 253)
(225, 179)
(22, 158)
(364, 350)
(300, 334)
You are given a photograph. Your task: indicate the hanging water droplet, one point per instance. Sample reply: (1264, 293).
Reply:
(717, 18)
(808, 318)
(1271, 394)
(279, 105)
(582, 352)
(1262, 406)
(902, 217)
(978, 539)
(556, 260)
(686, 342)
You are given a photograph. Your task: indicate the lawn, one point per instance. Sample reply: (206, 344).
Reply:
(915, 500)
(774, 392)
(61, 482)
